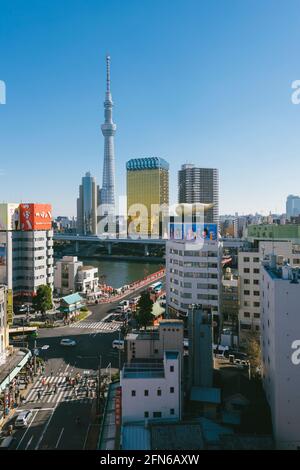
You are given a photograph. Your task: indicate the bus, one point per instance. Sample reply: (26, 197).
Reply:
(155, 288)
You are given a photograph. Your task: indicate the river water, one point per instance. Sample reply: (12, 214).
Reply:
(117, 273)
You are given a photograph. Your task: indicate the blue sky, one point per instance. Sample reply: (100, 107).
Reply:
(207, 82)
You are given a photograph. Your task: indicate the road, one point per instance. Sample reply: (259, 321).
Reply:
(53, 423)
(54, 414)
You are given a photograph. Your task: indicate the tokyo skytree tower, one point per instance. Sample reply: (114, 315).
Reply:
(107, 194)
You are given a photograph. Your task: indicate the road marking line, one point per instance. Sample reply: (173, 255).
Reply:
(29, 442)
(45, 429)
(26, 430)
(59, 438)
(86, 436)
(34, 409)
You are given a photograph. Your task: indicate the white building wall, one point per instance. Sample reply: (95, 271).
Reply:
(134, 407)
(193, 276)
(281, 378)
(249, 273)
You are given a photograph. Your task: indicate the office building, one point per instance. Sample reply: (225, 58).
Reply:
(280, 341)
(147, 185)
(249, 274)
(152, 390)
(107, 193)
(230, 298)
(26, 244)
(87, 206)
(292, 206)
(200, 185)
(193, 276)
(4, 327)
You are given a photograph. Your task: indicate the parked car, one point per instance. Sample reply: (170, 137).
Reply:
(6, 442)
(23, 418)
(118, 344)
(68, 342)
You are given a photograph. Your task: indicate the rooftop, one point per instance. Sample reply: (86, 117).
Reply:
(206, 394)
(72, 298)
(146, 163)
(144, 370)
(179, 436)
(135, 437)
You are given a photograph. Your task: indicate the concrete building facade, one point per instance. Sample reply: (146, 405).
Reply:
(200, 185)
(280, 341)
(71, 276)
(193, 276)
(152, 390)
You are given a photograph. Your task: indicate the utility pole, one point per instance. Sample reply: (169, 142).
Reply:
(23, 333)
(99, 383)
(34, 358)
(119, 351)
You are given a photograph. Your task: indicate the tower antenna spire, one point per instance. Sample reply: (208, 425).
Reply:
(108, 73)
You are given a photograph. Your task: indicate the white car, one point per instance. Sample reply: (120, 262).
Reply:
(23, 418)
(68, 342)
(118, 344)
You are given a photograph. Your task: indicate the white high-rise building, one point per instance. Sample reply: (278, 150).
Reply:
(280, 341)
(193, 276)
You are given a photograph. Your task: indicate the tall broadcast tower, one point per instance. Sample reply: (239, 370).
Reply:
(107, 194)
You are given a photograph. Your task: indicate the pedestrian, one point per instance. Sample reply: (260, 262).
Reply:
(39, 395)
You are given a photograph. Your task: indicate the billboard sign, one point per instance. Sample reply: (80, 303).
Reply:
(193, 232)
(36, 216)
(3, 258)
(9, 311)
(9, 216)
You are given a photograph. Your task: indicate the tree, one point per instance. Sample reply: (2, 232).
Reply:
(144, 315)
(254, 352)
(43, 299)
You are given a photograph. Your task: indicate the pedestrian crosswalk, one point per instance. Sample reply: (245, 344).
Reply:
(55, 389)
(103, 327)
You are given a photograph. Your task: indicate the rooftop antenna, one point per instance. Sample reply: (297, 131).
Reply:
(108, 73)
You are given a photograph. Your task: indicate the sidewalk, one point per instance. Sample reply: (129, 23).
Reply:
(134, 287)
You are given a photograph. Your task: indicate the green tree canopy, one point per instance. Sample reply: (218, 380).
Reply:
(144, 315)
(43, 299)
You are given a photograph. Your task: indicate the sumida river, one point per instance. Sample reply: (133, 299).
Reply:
(117, 273)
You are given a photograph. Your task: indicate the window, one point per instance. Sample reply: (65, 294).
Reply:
(156, 350)
(156, 414)
(256, 271)
(246, 292)
(256, 293)
(246, 281)
(172, 411)
(146, 393)
(246, 270)
(256, 282)
(245, 326)
(256, 260)
(159, 392)
(256, 315)
(246, 260)
(247, 314)
(171, 389)
(256, 304)
(133, 393)
(146, 414)
(171, 368)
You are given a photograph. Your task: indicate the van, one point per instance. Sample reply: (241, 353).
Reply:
(23, 418)
(118, 344)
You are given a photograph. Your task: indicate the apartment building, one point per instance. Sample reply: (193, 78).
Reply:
(4, 337)
(280, 340)
(249, 275)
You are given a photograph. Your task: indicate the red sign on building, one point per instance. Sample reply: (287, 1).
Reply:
(36, 216)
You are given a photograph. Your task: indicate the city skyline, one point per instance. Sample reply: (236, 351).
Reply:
(213, 98)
